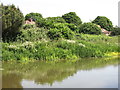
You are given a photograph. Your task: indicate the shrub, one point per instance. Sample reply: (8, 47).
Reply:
(28, 26)
(48, 22)
(32, 34)
(115, 31)
(12, 20)
(71, 17)
(34, 16)
(89, 28)
(60, 31)
(55, 20)
(41, 22)
(73, 27)
(63, 49)
(104, 22)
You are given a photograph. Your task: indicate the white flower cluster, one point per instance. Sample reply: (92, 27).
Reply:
(70, 41)
(13, 46)
(80, 44)
(44, 40)
(18, 46)
(28, 44)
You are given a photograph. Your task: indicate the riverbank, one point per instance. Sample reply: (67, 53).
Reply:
(30, 45)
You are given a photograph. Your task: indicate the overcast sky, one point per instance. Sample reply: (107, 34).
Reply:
(86, 9)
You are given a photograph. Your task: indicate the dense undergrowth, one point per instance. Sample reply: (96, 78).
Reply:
(35, 44)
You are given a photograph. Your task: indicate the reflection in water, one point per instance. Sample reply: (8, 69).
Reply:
(11, 81)
(40, 74)
(95, 78)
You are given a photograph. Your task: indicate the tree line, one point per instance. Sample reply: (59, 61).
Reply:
(64, 26)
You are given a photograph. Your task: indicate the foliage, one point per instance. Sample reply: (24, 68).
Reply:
(32, 34)
(41, 23)
(55, 38)
(71, 17)
(55, 20)
(60, 30)
(104, 22)
(38, 49)
(72, 27)
(28, 26)
(48, 22)
(12, 20)
(97, 39)
(89, 28)
(51, 23)
(34, 16)
(115, 31)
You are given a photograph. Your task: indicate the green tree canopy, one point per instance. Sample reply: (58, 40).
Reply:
(89, 28)
(12, 20)
(71, 17)
(104, 22)
(60, 30)
(48, 22)
(55, 20)
(34, 16)
(115, 31)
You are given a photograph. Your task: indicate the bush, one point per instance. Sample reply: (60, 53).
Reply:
(85, 46)
(41, 23)
(32, 35)
(55, 20)
(48, 22)
(89, 28)
(115, 31)
(60, 30)
(51, 21)
(71, 17)
(28, 26)
(73, 27)
(12, 20)
(34, 16)
(104, 22)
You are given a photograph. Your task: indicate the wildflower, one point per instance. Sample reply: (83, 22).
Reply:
(28, 43)
(80, 44)
(13, 46)
(70, 41)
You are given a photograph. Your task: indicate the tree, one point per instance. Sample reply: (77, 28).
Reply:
(71, 17)
(48, 22)
(89, 28)
(12, 20)
(34, 16)
(55, 20)
(115, 31)
(60, 30)
(104, 22)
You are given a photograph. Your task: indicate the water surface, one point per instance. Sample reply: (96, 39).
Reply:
(86, 73)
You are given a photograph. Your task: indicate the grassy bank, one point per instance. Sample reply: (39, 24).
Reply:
(34, 44)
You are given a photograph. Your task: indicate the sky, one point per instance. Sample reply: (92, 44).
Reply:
(87, 10)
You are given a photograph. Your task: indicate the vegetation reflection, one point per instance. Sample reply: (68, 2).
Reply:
(47, 73)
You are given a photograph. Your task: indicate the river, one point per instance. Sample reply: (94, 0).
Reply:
(85, 73)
